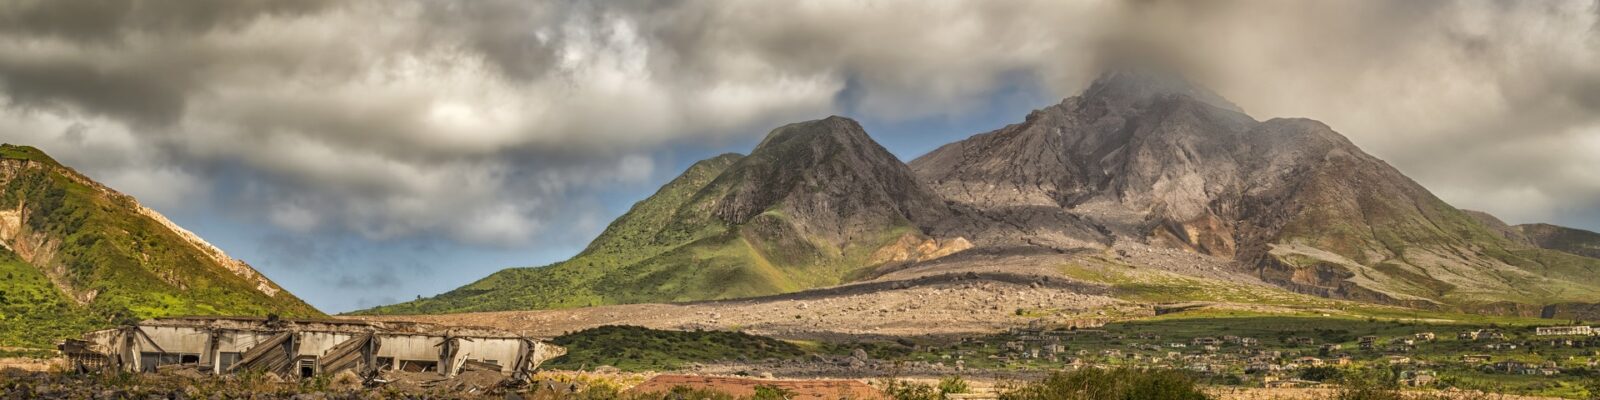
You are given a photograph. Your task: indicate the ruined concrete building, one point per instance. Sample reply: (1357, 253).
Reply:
(306, 348)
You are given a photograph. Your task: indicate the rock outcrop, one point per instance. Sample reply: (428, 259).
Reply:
(1144, 156)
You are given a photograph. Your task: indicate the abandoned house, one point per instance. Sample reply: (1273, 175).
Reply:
(306, 348)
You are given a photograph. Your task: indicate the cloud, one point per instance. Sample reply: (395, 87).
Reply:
(482, 122)
(1487, 103)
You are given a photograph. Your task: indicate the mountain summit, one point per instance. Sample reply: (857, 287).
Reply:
(1151, 159)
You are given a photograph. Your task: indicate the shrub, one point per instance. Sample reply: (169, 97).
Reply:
(953, 385)
(1115, 384)
(1321, 374)
(1368, 384)
(764, 392)
(903, 390)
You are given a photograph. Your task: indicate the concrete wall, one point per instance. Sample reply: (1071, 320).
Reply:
(409, 347)
(501, 351)
(177, 340)
(316, 344)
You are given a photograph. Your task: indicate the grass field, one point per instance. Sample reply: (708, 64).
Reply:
(639, 349)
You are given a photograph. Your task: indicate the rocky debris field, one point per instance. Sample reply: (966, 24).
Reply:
(951, 305)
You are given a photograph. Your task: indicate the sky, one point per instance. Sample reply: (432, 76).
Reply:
(365, 152)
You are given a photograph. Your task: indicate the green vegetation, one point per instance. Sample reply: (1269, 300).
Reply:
(1564, 239)
(1427, 250)
(109, 263)
(1150, 343)
(907, 390)
(644, 233)
(1112, 384)
(15, 152)
(953, 385)
(33, 312)
(632, 348)
(1150, 285)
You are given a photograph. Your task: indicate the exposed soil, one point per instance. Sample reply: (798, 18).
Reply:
(956, 304)
(1237, 393)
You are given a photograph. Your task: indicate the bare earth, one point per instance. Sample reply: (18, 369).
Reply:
(971, 293)
(33, 364)
(956, 304)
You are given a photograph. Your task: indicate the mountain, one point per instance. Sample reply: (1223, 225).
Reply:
(1563, 239)
(1554, 237)
(815, 204)
(1145, 184)
(1143, 156)
(78, 255)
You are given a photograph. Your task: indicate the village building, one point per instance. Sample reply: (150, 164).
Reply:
(1418, 378)
(1291, 383)
(1500, 346)
(305, 348)
(1564, 331)
(1521, 368)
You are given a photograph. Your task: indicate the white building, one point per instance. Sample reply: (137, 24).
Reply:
(306, 348)
(1564, 331)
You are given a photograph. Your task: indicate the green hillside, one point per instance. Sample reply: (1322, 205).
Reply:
(1432, 255)
(632, 348)
(1563, 239)
(807, 208)
(635, 237)
(98, 258)
(655, 253)
(33, 313)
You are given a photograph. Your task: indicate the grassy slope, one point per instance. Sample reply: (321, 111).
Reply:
(641, 349)
(135, 267)
(1147, 285)
(1418, 236)
(33, 312)
(1564, 239)
(633, 238)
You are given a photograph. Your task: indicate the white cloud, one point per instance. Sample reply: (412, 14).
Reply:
(481, 121)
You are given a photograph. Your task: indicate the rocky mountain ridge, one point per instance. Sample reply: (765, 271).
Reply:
(1142, 162)
(1154, 160)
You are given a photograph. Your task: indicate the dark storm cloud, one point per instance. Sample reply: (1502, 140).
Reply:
(109, 21)
(147, 96)
(481, 121)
